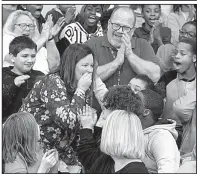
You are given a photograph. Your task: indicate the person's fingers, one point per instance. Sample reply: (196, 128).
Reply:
(45, 155)
(25, 77)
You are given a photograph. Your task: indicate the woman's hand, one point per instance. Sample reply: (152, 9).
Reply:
(48, 161)
(88, 117)
(70, 15)
(85, 82)
(58, 26)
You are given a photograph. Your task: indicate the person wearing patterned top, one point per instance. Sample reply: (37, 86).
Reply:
(57, 99)
(87, 25)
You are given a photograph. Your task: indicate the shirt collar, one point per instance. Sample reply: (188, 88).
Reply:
(145, 29)
(190, 79)
(106, 43)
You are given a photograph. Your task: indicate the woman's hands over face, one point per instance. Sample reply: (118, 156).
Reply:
(85, 82)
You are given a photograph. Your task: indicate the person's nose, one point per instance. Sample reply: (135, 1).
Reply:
(120, 30)
(90, 69)
(177, 56)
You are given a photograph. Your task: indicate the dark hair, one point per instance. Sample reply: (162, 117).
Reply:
(154, 102)
(142, 6)
(20, 7)
(80, 15)
(71, 56)
(105, 17)
(20, 43)
(176, 8)
(192, 43)
(147, 80)
(123, 98)
(194, 23)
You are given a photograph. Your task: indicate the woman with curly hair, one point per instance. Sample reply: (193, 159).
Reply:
(89, 153)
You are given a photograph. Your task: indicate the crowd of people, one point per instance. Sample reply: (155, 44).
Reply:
(111, 89)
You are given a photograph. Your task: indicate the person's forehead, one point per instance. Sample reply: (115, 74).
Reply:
(24, 18)
(183, 46)
(94, 6)
(189, 27)
(122, 16)
(154, 6)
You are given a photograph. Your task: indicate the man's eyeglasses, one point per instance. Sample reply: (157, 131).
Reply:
(124, 28)
(188, 34)
(23, 26)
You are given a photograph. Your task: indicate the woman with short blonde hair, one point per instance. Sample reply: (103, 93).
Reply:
(123, 139)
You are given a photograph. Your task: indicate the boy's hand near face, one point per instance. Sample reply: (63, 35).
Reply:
(20, 80)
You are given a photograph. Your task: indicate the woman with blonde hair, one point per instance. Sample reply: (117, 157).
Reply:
(21, 151)
(23, 23)
(123, 139)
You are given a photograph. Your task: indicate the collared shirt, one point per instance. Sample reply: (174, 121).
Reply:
(143, 32)
(101, 48)
(175, 89)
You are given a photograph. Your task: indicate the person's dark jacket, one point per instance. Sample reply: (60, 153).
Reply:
(12, 94)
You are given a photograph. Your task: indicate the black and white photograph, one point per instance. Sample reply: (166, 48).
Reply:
(99, 87)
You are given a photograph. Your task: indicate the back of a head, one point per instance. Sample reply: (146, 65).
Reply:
(20, 135)
(123, 98)
(154, 102)
(20, 43)
(122, 136)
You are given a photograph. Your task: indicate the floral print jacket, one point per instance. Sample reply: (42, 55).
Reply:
(56, 113)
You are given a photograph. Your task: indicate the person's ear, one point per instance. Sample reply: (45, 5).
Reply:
(146, 112)
(11, 57)
(194, 58)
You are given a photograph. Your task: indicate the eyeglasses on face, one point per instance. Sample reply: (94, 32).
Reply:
(189, 34)
(23, 26)
(117, 27)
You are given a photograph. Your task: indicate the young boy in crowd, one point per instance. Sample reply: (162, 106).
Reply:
(184, 64)
(152, 29)
(18, 80)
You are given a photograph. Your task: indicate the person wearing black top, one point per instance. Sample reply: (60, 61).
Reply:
(89, 153)
(18, 80)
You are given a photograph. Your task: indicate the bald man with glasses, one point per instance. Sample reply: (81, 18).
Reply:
(121, 56)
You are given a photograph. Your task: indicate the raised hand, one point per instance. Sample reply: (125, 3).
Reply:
(48, 161)
(120, 54)
(20, 80)
(156, 30)
(70, 15)
(46, 31)
(88, 117)
(192, 12)
(57, 27)
(127, 42)
(85, 82)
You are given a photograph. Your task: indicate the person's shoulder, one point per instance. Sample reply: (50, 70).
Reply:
(95, 40)
(140, 41)
(18, 166)
(165, 29)
(37, 73)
